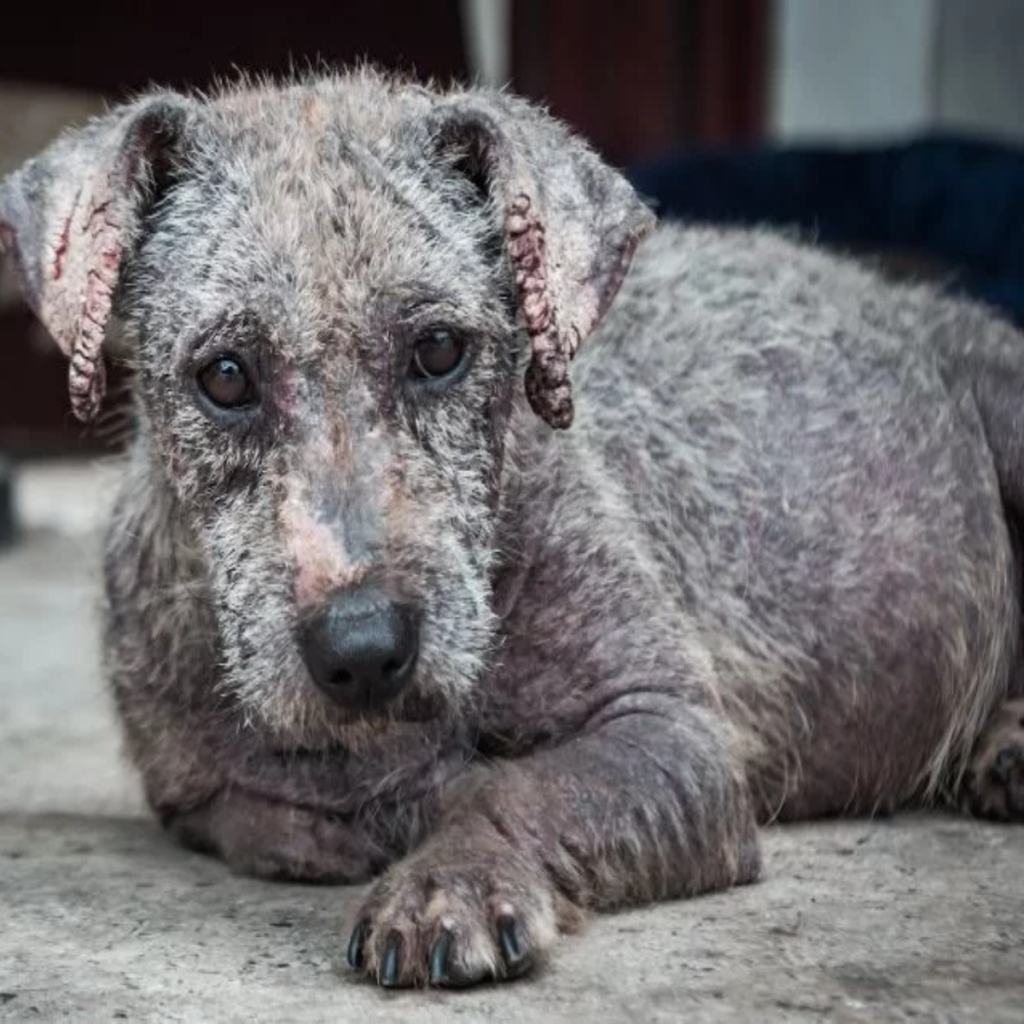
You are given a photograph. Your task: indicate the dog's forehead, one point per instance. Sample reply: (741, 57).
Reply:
(316, 160)
(309, 204)
(367, 104)
(347, 134)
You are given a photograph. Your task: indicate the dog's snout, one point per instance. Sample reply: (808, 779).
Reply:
(361, 648)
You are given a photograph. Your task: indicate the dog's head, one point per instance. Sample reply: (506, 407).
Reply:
(334, 293)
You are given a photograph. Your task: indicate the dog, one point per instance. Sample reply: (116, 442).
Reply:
(373, 609)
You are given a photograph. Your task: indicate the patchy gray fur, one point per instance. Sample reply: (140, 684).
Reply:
(771, 571)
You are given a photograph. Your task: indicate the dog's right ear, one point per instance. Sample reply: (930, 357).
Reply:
(70, 215)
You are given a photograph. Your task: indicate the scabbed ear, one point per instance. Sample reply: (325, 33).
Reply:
(572, 225)
(71, 214)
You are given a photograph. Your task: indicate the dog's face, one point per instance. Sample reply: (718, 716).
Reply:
(332, 292)
(327, 353)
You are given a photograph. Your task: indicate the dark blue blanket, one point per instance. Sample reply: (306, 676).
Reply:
(956, 200)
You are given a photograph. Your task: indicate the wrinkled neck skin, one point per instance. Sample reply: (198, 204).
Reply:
(191, 739)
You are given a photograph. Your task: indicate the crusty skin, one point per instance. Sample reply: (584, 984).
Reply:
(770, 571)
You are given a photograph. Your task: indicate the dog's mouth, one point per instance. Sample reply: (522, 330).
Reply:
(383, 716)
(401, 759)
(416, 707)
(291, 711)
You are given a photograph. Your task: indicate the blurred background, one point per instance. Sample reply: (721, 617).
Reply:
(889, 127)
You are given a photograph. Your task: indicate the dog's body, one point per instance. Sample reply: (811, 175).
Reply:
(771, 571)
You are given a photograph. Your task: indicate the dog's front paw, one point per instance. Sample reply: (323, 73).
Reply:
(466, 908)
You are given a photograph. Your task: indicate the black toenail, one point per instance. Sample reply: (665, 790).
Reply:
(439, 959)
(389, 965)
(511, 946)
(356, 945)
(507, 935)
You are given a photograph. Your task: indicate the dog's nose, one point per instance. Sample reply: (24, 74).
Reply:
(361, 648)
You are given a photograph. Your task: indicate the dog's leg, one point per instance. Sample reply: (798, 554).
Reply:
(994, 787)
(644, 805)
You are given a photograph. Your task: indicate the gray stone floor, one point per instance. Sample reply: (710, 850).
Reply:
(101, 917)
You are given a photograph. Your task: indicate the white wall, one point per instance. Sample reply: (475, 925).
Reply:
(852, 67)
(856, 69)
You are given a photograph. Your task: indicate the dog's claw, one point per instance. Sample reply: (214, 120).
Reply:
(389, 965)
(439, 959)
(511, 948)
(356, 945)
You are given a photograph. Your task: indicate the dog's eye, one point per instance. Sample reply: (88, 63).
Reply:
(436, 354)
(226, 383)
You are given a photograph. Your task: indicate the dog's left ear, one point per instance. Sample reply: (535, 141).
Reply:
(70, 216)
(571, 224)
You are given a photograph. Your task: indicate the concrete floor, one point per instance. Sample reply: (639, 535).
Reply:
(104, 918)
